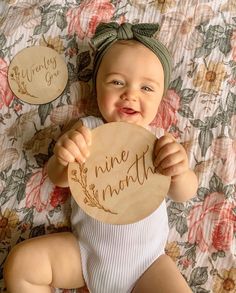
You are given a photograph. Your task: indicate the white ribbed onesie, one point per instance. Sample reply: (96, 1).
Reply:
(115, 256)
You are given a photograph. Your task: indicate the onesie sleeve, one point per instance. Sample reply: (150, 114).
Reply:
(158, 132)
(91, 121)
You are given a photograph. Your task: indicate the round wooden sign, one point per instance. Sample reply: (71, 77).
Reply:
(37, 75)
(118, 184)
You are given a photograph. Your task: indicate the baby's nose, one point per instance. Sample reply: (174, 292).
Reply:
(129, 95)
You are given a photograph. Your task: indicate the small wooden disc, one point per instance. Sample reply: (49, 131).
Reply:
(37, 75)
(118, 184)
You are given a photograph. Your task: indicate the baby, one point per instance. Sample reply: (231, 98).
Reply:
(131, 74)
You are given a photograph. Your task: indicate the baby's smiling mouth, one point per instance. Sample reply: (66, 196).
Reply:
(127, 111)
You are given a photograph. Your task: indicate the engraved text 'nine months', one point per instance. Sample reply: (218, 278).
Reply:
(137, 172)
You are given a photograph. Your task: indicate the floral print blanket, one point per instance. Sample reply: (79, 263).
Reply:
(199, 109)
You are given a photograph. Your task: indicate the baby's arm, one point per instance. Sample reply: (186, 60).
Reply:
(170, 159)
(70, 147)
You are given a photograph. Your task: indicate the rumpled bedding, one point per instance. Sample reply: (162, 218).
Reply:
(199, 109)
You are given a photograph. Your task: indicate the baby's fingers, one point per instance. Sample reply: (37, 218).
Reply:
(63, 155)
(162, 141)
(173, 170)
(78, 146)
(86, 133)
(165, 153)
(169, 160)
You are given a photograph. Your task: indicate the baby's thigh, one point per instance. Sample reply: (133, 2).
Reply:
(66, 262)
(162, 276)
(52, 259)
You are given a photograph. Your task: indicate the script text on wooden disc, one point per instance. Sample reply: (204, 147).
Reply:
(37, 75)
(118, 184)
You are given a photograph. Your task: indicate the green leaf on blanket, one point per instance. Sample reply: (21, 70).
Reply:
(187, 95)
(2, 40)
(209, 123)
(215, 184)
(176, 84)
(229, 191)
(215, 36)
(205, 140)
(190, 252)
(72, 73)
(20, 195)
(202, 193)
(177, 217)
(225, 44)
(198, 123)
(41, 159)
(232, 64)
(185, 111)
(72, 43)
(231, 104)
(48, 19)
(85, 75)
(211, 43)
(202, 52)
(181, 225)
(201, 290)
(44, 110)
(54, 8)
(29, 215)
(40, 29)
(199, 276)
(37, 231)
(61, 21)
(83, 60)
(217, 254)
(214, 32)
(15, 186)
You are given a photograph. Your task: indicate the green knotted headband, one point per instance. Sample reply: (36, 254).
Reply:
(107, 34)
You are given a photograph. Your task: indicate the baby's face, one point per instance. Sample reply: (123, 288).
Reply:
(129, 84)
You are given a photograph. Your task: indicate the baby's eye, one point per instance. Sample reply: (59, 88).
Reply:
(117, 82)
(147, 89)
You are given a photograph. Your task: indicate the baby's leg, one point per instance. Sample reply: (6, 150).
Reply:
(36, 265)
(162, 276)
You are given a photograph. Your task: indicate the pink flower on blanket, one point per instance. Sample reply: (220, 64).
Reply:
(84, 19)
(42, 194)
(166, 116)
(59, 196)
(38, 189)
(6, 95)
(224, 232)
(212, 224)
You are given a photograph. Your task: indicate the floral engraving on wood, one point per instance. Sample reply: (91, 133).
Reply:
(133, 171)
(91, 196)
(22, 88)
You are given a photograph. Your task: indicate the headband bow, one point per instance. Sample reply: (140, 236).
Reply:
(107, 34)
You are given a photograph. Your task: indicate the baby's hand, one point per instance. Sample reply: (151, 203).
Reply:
(170, 157)
(73, 145)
